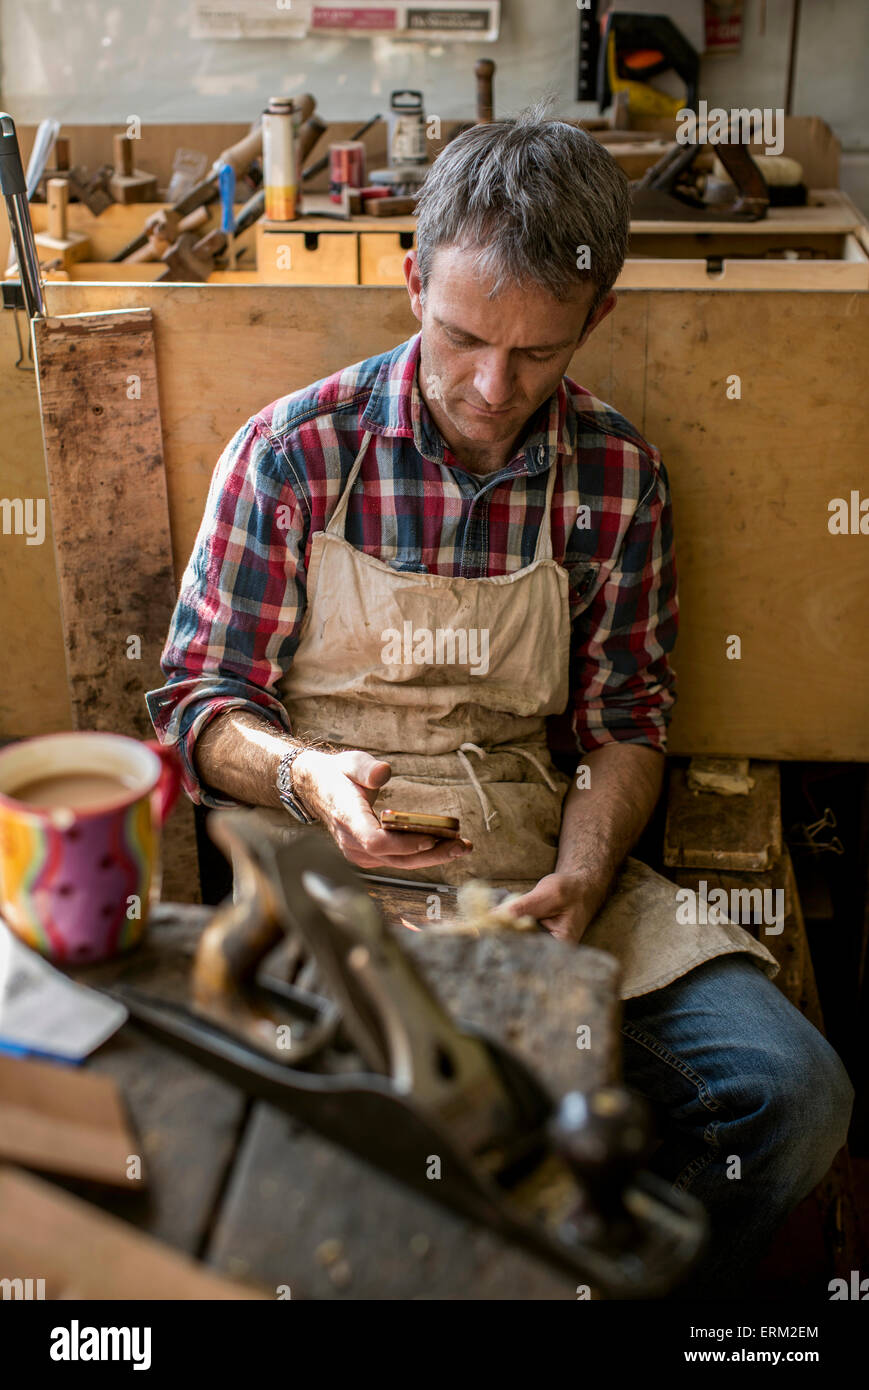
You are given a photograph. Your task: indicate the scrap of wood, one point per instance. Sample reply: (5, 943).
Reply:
(65, 1121)
(83, 1254)
(97, 381)
(705, 830)
(725, 776)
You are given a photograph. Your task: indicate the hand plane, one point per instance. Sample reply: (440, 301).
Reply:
(668, 191)
(373, 1062)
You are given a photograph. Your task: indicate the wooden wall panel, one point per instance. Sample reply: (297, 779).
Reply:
(34, 697)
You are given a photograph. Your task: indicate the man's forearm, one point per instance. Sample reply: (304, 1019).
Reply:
(601, 822)
(238, 754)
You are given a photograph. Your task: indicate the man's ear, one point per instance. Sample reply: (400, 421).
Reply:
(600, 313)
(414, 283)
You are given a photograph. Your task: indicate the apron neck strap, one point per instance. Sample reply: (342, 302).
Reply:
(338, 519)
(544, 535)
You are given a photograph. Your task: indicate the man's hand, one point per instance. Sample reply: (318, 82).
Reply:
(562, 903)
(599, 825)
(340, 789)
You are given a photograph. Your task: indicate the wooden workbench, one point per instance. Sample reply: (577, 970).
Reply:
(254, 1195)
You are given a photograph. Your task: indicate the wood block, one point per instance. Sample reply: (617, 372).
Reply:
(104, 462)
(314, 258)
(381, 257)
(83, 1254)
(69, 249)
(64, 1120)
(707, 830)
(127, 184)
(726, 776)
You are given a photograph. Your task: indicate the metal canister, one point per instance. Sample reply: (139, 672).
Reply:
(280, 177)
(346, 167)
(406, 129)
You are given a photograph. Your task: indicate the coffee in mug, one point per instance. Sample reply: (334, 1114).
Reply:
(80, 822)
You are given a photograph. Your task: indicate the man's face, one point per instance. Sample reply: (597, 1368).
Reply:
(486, 365)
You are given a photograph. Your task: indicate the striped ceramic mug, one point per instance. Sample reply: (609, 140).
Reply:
(80, 820)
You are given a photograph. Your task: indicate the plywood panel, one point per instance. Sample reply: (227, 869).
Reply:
(33, 693)
(752, 479)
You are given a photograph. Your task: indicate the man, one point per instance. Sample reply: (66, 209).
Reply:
(404, 570)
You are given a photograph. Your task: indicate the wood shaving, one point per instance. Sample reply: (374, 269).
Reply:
(481, 908)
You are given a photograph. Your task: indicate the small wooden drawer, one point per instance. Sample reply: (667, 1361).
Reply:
(381, 256)
(306, 258)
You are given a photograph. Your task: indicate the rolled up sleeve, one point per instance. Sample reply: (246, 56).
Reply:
(623, 688)
(236, 624)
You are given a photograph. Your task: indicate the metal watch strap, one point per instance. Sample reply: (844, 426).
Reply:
(284, 784)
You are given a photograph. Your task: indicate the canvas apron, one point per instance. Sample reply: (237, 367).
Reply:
(472, 744)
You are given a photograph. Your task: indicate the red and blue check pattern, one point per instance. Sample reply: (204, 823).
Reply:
(236, 624)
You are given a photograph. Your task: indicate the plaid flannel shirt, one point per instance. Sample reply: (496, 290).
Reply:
(236, 624)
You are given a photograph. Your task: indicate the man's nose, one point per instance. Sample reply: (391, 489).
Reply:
(493, 380)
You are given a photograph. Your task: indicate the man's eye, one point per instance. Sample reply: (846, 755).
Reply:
(546, 357)
(460, 342)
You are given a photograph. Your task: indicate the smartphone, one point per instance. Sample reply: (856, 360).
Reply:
(418, 823)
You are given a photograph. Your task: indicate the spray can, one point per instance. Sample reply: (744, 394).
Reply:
(279, 160)
(406, 129)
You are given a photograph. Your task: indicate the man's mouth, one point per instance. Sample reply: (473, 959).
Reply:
(490, 414)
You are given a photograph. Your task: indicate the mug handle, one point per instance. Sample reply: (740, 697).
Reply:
(168, 787)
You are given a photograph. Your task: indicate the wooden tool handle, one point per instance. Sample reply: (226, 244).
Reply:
(241, 154)
(163, 227)
(57, 197)
(304, 107)
(485, 73)
(309, 134)
(123, 155)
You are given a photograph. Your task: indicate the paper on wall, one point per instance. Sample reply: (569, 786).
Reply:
(471, 20)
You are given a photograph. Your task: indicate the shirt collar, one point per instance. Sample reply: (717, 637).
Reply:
(396, 409)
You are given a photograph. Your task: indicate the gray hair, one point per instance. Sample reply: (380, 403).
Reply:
(529, 193)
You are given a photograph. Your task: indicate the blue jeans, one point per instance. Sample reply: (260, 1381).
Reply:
(736, 1072)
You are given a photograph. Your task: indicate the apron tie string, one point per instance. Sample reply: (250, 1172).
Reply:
(490, 815)
(532, 758)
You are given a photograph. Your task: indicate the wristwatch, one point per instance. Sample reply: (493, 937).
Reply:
(284, 783)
